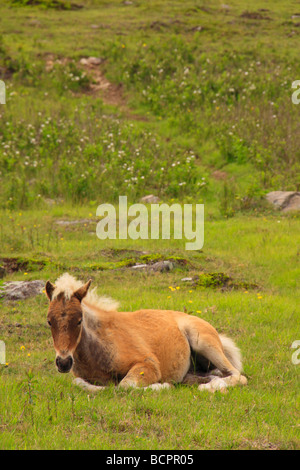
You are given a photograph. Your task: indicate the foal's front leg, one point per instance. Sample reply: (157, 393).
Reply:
(87, 386)
(144, 374)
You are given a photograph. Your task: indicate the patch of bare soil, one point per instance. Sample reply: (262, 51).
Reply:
(51, 60)
(11, 265)
(219, 175)
(111, 93)
(56, 5)
(5, 72)
(254, 15)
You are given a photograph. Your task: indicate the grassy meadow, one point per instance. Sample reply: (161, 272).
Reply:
(190, 101)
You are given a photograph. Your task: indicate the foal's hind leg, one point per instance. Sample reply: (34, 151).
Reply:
(204, 339)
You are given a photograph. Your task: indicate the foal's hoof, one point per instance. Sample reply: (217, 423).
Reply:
(80, 382)
(87, 386)
(243, 380)
(158, 386)
(213, 385)
(222, 384)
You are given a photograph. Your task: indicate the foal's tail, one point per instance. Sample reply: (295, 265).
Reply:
(232, 352)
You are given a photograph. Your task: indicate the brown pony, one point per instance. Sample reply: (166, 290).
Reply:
(146, 348)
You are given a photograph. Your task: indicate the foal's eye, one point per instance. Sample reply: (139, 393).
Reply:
(79, 323)
(49, 322)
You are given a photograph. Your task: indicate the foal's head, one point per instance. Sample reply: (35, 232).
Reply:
(65, 319)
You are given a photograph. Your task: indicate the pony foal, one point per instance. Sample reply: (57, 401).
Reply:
(146, 348)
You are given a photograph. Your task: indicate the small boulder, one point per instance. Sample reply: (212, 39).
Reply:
(73, 222)
(90, 61)
(150, 199)
(284, 200)
(162, 266)
(20, 290)
(139, 266)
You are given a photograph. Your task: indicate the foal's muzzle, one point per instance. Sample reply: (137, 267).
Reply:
(64, 365)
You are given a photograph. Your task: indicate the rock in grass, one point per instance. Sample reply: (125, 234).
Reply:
(91, 61)
(73, 222)
(139, 266)
(2, 272)
(284, 200)
(150, 199)
(20, 290)
(160, 266)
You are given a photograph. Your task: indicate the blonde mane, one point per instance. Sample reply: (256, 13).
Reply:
(67, 284)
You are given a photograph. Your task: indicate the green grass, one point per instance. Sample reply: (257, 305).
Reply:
(214, 99)
(42, 409)
(203, 115)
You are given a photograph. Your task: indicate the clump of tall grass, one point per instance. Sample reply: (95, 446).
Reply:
(47, 4)
(88, 156)
(240, 99)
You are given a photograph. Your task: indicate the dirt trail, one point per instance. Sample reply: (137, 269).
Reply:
(112, 94)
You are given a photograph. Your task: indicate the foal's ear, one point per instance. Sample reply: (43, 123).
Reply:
(82, 291)
(49, 289)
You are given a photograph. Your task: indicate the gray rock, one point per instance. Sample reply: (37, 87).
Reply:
(91, 61)
(20, 290)
(49, 202)
(73, 222)
(139, 266)
(285, 200)
(160, 266)
(150, 199)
